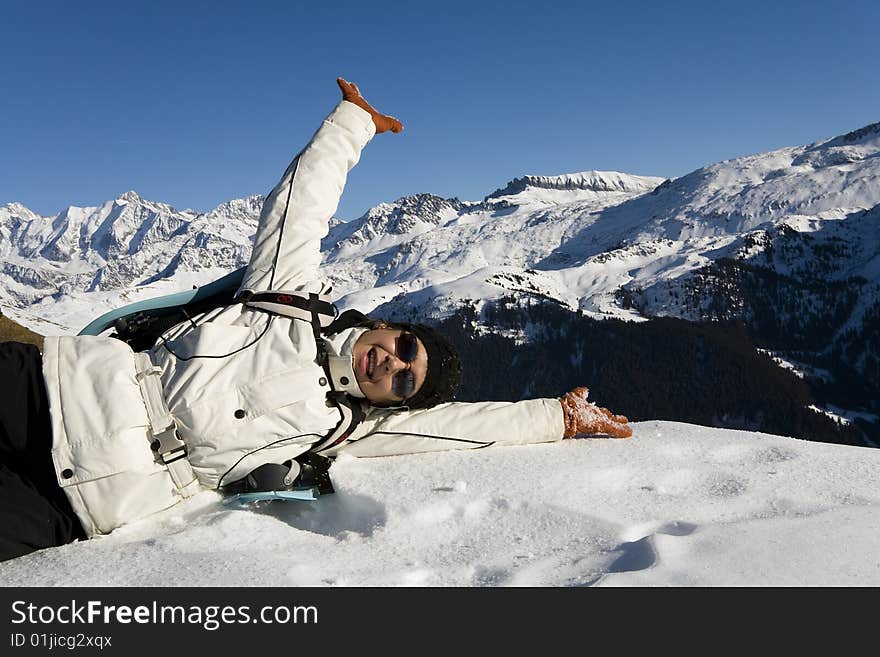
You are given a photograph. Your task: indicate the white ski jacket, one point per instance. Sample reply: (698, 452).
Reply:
(243, 385)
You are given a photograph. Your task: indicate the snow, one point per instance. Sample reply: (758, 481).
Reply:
(69, 313)
(676, 505)
(840, 419)
(845, 416)
(590, 233)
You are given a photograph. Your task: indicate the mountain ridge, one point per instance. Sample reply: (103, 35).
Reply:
(596, 181)
(786, 242)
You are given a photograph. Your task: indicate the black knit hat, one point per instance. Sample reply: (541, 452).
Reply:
(443, 376)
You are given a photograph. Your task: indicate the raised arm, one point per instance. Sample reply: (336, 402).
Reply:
(296, 214)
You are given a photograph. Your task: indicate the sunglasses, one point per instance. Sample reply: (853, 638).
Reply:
(403, 384)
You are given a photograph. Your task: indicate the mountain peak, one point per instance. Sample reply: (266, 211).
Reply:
(595, 181)
(20, 209)
(870, 131)
(130, 195)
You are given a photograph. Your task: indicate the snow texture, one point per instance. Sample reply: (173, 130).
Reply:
(676, 505)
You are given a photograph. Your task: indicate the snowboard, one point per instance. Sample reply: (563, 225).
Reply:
(302, 494)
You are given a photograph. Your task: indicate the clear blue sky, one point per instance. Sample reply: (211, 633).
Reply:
(196, 103)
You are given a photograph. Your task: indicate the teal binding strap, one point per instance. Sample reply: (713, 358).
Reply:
(231, 281)
(308, 494)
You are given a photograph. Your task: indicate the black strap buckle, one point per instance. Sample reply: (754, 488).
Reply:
(315, 472)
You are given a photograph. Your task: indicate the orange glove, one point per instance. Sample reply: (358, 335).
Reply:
(352, 94)
(583, 417)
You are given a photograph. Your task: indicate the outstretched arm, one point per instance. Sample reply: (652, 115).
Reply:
(462, 425)
(457, 425)
(296, 213)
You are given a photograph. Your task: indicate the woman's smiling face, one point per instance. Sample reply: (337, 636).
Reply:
(376, 361)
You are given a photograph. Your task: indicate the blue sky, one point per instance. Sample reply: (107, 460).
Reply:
(196, 103)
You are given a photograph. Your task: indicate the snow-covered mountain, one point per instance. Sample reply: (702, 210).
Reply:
(787, 242)
(590, 240)
(594, 240)
(68, 267)
(121, 244)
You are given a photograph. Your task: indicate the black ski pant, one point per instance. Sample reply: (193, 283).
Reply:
(34, 511)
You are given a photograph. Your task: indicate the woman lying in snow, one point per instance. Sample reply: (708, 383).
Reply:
(236, 397)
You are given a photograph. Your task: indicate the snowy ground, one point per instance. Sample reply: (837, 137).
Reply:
(676, 505)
